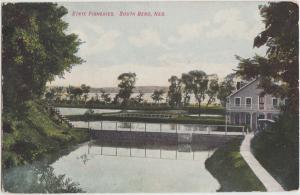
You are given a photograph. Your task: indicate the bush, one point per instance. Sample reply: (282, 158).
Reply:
(277, 149)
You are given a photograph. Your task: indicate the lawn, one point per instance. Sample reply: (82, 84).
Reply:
(231, 170)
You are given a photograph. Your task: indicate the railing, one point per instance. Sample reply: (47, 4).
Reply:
(61, 118)
(145, 152)
(141, 115)
(253, 107)
(161, 127)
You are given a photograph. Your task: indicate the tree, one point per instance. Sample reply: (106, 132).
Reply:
(212, 91)
(226, 87)
(126, 85)
(174, 93)
(74, 93)
(85, 90)
(157, 96)
(35, 49)
(279, 70)
(105, 96)
(54, 94)
(199, 84)
(186, 81)
(140, 97)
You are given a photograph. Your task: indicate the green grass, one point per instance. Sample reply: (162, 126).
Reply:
(230, 169)
(34, 134)
(277, 149)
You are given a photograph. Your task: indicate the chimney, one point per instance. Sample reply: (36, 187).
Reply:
(238, 85)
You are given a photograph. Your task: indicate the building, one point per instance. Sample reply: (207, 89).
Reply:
(245, 106)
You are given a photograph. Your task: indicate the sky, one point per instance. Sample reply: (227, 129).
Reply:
(190, 36)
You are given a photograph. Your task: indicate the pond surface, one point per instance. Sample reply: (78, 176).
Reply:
(157, 127)
(105, 166)
(121, 169)
(79, 111)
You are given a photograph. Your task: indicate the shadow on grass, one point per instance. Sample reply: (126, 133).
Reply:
(230, 169)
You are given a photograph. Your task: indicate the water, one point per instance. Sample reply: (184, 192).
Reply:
(100, 166)
(122, 169)
(80, 111)
(158, 127)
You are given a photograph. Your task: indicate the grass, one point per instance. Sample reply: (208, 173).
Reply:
(230, 169)
(277, 149)
(35, 134)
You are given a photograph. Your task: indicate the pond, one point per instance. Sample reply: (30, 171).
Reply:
(121, 169)
(159, 127)
(79, 111)
(112, 166)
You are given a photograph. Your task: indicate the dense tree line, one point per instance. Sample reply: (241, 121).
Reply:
(35, 49)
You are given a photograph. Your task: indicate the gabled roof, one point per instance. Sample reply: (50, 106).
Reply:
(243, 87)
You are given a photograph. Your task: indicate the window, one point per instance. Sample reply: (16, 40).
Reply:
(248, 101)
(237, 101)
(261, 102)
(275, 102)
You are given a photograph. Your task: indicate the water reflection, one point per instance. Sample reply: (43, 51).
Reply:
(122, 166)
(160, 127)
(37, 178)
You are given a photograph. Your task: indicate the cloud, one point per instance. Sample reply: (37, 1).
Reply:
(147, 37)
(189, 32)
(230, 24)
(95, 39)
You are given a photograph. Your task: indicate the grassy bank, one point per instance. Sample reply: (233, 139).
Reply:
(34, 134)
(233, 173)
(277, 149)
(211, 109)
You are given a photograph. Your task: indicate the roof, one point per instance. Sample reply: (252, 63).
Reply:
(243, 87)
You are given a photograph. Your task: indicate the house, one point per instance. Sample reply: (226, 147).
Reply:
(245, 105)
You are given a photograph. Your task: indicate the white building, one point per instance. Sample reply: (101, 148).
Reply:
(246, 105)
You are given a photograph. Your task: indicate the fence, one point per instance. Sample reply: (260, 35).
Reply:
(161, 127)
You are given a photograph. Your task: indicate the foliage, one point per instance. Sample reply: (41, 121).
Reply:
(230, 169)
(174, 93)
(157, 95)
(140, 97)
(226, 87)
(37, 178)
(85, 90)
(198, 85)
(35, 49)
(54, 94)
(279, 70)
(28, 137)
(213, 89)
(105, 96)
(126, 85)
(277, 149)
(186, 80)
(75, 93)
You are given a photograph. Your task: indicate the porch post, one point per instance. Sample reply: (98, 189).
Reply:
(225, 123)
(251, 120)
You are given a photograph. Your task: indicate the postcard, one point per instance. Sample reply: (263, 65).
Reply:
(150, 97)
